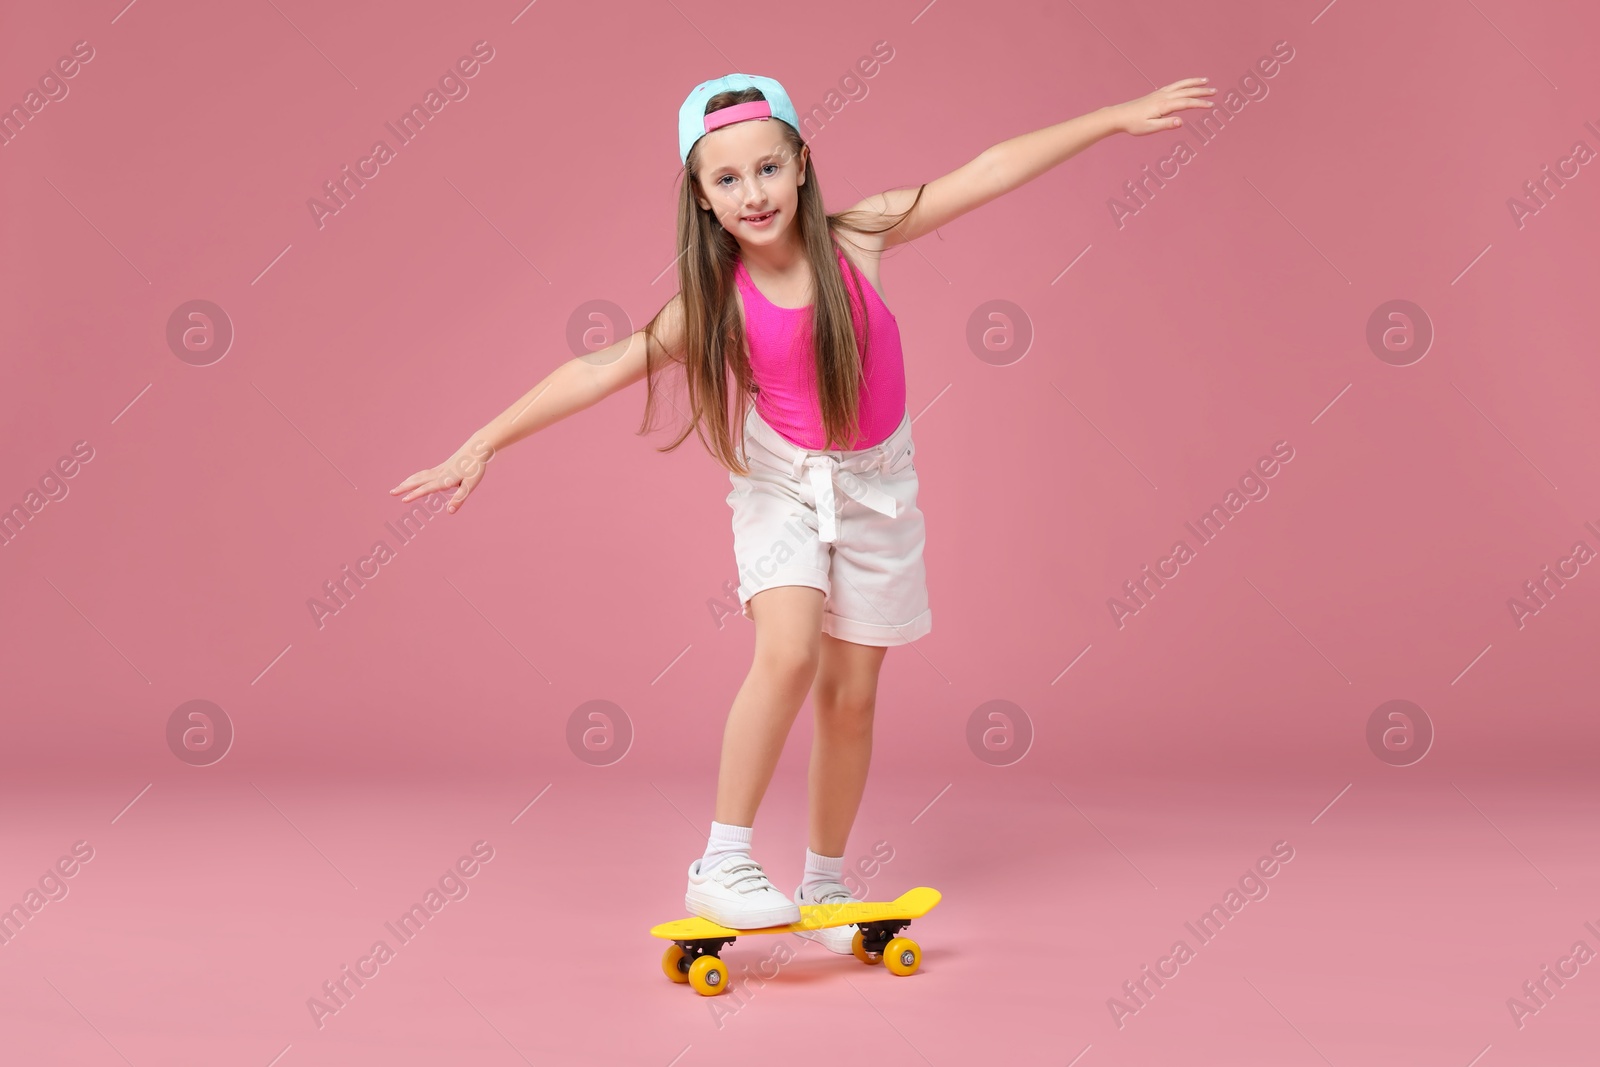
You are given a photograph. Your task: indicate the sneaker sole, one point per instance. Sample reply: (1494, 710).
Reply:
(831, 944)
(755, 920)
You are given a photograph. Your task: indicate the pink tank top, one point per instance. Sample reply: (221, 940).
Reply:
(783, 364)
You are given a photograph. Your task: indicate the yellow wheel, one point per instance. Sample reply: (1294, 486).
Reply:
(861, 952)
(707, 976)
(672, 962)
(901, 955)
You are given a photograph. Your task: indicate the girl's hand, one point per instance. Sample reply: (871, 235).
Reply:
(464, 469)
(1148, 114)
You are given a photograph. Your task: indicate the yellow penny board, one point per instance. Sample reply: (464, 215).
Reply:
(912, 904)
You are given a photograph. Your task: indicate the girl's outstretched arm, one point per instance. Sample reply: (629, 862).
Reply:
(574, 385)
(1003, 167)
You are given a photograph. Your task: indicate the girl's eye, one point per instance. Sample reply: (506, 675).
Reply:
(773, 166)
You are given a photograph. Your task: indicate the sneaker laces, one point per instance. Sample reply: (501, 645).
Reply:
(744, 875)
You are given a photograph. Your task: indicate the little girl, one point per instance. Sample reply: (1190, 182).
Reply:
(780, 303)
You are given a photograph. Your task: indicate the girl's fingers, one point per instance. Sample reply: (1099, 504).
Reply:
(1177, 105)
(422, 483)
(413, 481)
(1183, 83)
(1196, 93)
(1185, 98)
(432, 485)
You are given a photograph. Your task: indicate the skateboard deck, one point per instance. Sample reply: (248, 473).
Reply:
(912, 904)
(693, 955)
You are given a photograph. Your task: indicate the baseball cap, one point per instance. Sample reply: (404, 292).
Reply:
(694, 123)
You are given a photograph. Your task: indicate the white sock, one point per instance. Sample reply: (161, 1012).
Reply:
(725, 841)
(820, 869)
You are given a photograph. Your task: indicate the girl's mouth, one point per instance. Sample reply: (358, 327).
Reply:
(759, 220)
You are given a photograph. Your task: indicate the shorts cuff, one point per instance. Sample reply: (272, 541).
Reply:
(867, 633)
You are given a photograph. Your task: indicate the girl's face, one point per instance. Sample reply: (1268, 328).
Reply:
(750, 181)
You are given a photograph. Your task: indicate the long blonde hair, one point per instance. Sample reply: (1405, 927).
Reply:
(714, 347)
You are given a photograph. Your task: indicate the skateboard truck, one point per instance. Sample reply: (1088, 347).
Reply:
(873, 937)
(709, 977)
(704, 946)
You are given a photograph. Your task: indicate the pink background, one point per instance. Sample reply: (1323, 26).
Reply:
(1228, 314)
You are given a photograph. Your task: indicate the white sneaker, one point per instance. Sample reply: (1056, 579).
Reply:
(737, 894)
(834, 938)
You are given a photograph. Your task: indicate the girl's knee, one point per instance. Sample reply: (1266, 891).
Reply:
(790, 664)
(845, 709)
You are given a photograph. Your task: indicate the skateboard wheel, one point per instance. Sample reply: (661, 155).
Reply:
(902, 955)
(674, 962)
(859, 949)
(707, 976)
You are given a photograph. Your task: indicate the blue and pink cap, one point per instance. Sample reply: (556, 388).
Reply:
(694, 123)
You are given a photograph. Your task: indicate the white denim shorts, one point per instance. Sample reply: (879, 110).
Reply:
(844, 522)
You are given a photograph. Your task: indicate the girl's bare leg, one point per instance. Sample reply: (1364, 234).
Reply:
(843, 702)
(788, 622)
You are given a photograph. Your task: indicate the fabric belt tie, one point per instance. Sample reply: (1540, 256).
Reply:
(822, 472)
